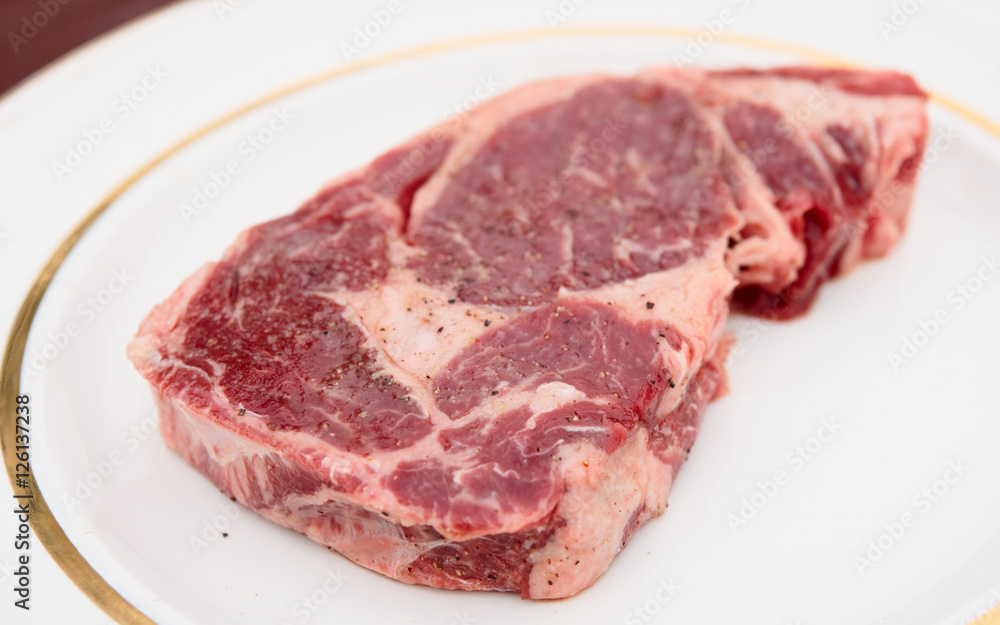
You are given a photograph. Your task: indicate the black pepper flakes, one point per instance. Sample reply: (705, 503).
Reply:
(486, 323)
(495, 393)
(242, 412)
(440, 330)
(451, 301)
(670, 381)
(649, 305)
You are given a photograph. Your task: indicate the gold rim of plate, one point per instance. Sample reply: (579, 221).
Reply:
(44, 524)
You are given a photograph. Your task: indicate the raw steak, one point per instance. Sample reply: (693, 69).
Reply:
(479, 362)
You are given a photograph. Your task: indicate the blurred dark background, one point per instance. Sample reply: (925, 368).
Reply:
(37, 32)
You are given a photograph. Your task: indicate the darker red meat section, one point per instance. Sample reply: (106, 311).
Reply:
(578, 194)
(586, 345)
(279, 349)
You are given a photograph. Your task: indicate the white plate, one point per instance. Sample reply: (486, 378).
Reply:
(896, 430)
